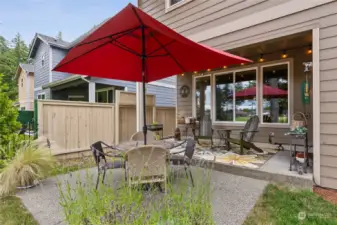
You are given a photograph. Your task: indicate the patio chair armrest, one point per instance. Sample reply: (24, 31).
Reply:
(175, 153)
(246, 131)
(167, 137)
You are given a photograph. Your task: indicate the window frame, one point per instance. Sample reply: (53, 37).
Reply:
(259, 67)
(194, 103)
(39, 96)
(234, 71)
(169, 7)
(290, 93)
(107, 93)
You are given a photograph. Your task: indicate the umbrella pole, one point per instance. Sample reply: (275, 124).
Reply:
(143, 80)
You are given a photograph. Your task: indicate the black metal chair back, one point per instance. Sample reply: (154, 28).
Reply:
(98, 153)
(189, 150)
(251, 125)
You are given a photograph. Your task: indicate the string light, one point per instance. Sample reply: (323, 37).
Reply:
(208, 70)
(242, 64)
(309, 51)
(225, 67)
(182, 74)
(307, 48)
(261, 58)
(195, 72)
(284, 55)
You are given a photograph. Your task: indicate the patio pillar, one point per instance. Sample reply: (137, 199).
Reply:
(139, 106)
(92, 91)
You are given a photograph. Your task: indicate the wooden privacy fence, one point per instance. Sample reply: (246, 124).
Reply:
(74, 126)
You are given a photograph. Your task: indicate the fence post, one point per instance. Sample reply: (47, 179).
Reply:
(35, 119)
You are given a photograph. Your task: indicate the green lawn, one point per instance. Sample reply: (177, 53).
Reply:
(72, 165)
(12, 212)
(283, 206)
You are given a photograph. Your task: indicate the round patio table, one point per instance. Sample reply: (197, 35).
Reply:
(173, 146)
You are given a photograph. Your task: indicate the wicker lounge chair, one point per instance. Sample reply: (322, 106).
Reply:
(139, 136)
(246, 135)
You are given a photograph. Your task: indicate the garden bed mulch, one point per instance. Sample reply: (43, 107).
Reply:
(328, 194)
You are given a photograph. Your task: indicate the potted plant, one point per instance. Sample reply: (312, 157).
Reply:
(29, 165)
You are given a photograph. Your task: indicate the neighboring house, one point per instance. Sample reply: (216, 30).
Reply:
(46, 52)
(279, 36)
(25, 79)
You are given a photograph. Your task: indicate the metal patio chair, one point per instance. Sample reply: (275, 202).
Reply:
(101, 162)
(189, 152)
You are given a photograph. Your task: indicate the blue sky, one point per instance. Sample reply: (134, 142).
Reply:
(71, 17)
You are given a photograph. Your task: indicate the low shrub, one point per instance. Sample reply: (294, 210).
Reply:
(29, 164)
(181, 205)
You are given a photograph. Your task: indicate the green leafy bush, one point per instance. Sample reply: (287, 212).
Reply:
(181, 205)
(8, 117)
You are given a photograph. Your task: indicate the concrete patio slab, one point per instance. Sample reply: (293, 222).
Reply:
(232, 196)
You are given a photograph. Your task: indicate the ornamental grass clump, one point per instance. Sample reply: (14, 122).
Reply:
(116, 203)
(29, 165)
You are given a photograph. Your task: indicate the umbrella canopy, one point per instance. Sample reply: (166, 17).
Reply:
(115, 51)
(267, 91)
(133, 46)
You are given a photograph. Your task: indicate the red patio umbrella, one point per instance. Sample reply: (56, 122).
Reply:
(267, 91)
(133, 46)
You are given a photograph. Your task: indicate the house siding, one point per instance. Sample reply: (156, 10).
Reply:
(198, 16)
(57, 56)
(164, 96)
(41, 72)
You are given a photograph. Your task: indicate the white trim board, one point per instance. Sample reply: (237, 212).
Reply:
(263, 16)
(161, 84)
(316, 107)
(38, 89)
(50, 64)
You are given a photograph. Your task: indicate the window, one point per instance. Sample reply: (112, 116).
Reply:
(76, 98)
(203, 97)
(275, 94)
(21, 82)
(41, 96)
(262, 90)
(105, 95)
(43, 59)
(173, 4)
(235, 96)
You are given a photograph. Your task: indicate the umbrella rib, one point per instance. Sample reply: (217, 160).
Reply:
(168, 52)
(154, 51)
(138, 17)
(91, 50)
(161, 55)
(111, 36)
(124, 47)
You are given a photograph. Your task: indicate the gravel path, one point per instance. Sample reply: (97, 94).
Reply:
(233, 197)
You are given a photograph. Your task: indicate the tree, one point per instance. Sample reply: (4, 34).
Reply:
(59, 35)
(8, 117)
(11, 54)
(20, 49)
(3, 45)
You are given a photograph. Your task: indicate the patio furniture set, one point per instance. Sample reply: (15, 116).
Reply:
(144, 164)
(245, 139)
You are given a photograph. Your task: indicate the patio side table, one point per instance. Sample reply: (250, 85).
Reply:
(293, 151)
(156, 128)
(224, 135)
